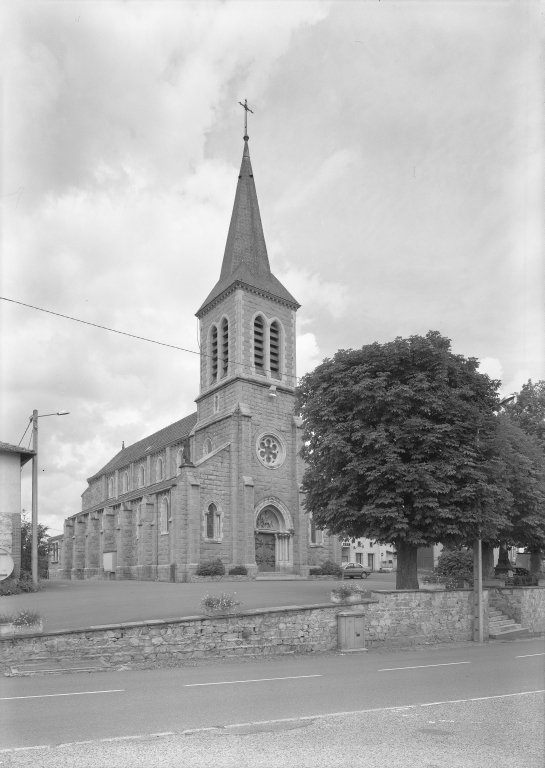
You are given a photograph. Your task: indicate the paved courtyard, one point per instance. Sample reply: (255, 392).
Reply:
(68, 604)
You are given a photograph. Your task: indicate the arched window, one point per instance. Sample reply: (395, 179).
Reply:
(125, 482)
(224, 347)
(207, 447)
(259, 345)
(274, 349)
(213, 354)
(141, 476)
(159, 473)
(111, 487)
(164, 516)
(138, 520)
(212, 519)
(179, 461)
(316, 535)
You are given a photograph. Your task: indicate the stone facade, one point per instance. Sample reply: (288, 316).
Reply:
(392, 619)
(223, 483)
(12, 459)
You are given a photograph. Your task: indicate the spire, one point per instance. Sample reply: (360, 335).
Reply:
(245, 259)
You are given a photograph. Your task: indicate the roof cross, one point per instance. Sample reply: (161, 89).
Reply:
(246, 110)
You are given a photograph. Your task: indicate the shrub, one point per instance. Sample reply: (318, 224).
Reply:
(329, 568)
(527, 580)
(238, 570)
(211, 568)
(315, 572)
(220, 602)
(455, 565)
(13, 586)
(345, 589)
(25, 618)
(432, 578)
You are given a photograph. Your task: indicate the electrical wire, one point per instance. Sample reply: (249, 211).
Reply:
(124, 333)
(24, 433)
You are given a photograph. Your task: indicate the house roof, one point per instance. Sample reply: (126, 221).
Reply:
(25, 453)
(245, 259)
(177, 431)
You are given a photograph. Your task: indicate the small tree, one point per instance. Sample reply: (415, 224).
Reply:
(398, 445)
(26, 546)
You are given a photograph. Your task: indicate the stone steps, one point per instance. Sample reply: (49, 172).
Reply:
(501, 626)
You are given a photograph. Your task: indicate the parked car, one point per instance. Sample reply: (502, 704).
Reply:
(356, 571)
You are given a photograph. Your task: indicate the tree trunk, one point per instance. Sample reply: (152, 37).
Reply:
(406, 576)
(535, 562)
(488, 560)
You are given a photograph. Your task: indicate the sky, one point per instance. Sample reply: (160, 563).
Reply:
(398, 161)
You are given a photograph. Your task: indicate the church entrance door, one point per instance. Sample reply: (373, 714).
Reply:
(265, 544)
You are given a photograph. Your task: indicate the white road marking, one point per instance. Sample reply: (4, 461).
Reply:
(257, 680)
(233, 726)
(53, 695)
(423, 666)
(527, 655)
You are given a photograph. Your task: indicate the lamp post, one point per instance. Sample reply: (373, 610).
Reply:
(34, 551)
(478, 566)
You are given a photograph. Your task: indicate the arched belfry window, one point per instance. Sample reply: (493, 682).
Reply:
(274, 349)
(224, 347)
(213, 354)
(259, 345)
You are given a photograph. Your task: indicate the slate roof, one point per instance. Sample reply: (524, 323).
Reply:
(245, 259)
(25, 453)
(174, 432)
(138, 493)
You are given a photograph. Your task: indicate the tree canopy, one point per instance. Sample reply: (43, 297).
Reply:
(528, 410)
(399, 446)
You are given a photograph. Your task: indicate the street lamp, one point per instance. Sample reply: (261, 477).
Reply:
(478, 564)
(34, 556)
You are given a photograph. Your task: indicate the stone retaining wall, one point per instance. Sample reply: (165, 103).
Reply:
(392, 619)
(194, 579)
(526, 605)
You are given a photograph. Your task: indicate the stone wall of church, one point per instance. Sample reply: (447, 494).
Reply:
(215, 477)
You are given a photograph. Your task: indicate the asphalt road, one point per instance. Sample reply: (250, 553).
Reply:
(47, 711)
(66, 604)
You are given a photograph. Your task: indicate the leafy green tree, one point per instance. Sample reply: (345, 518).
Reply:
(520, 444)
(528, 411)
(398, 441)
(26, 546)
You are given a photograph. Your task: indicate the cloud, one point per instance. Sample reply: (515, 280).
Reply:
(492, 367)
(312, 291)
(308, 353)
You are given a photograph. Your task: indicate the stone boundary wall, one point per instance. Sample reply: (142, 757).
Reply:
(526, 605)
(197, 579)
(392, 619)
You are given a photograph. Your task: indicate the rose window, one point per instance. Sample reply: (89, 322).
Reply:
(270, 451)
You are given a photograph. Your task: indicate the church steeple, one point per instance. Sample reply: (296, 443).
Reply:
(245, 260)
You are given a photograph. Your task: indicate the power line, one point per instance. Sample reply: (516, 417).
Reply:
(123, 333)
(24, 433)
(103, 327)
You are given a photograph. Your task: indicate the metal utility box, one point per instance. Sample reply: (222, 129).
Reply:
(351, 631)
(109, 560)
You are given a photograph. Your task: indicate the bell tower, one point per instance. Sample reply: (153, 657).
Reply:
(247, 396)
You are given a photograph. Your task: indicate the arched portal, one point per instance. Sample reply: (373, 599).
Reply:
(273, 534)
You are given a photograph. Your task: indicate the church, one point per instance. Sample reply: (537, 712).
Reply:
(225, 481)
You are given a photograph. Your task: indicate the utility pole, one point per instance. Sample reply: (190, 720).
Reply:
(478, 591)
(34, 557)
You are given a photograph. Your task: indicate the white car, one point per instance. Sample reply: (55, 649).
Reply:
(356, 571)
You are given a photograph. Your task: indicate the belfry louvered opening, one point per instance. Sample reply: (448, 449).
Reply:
(274, 347)
(224, 347)
(213, 354)
(259, 345)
